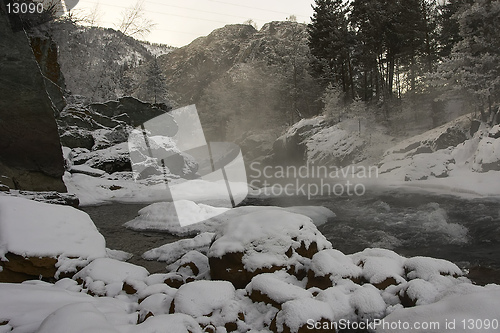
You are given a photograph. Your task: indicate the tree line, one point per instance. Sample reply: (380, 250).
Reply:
(383, 51)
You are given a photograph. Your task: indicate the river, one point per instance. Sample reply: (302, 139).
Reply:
(464, 231)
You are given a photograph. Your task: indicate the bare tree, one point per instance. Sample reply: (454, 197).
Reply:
(93, 15)
(133, 21)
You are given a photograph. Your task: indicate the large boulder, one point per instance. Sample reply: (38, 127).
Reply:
(264, 241)
(44, 241)
(30, 151)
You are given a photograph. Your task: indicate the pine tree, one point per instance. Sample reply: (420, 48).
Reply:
(154, 87)
(475, 60)
(330, 42)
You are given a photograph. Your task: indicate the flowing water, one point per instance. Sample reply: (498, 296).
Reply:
(465, 231)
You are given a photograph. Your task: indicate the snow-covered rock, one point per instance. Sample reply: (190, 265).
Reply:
(161, 215)
(471, 312)
(270, 289)
(296, 314)
(105, 276)
(169, 253)
(39, 239)
(210, 302)
(263, 241)
(329, 266)
(25, 306)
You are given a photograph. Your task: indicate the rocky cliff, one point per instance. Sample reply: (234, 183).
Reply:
(30, 151)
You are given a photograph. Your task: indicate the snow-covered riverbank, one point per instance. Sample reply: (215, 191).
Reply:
(261, 269)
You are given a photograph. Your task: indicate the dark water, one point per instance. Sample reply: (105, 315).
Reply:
(464, 231)
(109, 219)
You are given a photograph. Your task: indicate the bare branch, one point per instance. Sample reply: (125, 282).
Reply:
(133, 22)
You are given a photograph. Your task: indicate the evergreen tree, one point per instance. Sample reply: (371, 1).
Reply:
(473, 66)
(330, 42)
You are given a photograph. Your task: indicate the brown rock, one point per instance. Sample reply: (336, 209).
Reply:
(390, 281)
(230, 268)
(18, 268)
(322, 282)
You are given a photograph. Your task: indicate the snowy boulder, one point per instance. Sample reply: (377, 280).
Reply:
(270, 289)
(76, 137)
(380, 267)
(487, 157)
(417, 292)
(296, 315)
(425, 268)
(450, 314)
(368, 303)
(210, 303)
(420, 166)
(495, 132)
(25, 306)
(76, 318)
(110, 160)
(169, 253)
(193, 264)
(448, 135)
(337, 145)
(329, 266)
(264, 241)
(105, 276)
(154, 305)
(44, 240)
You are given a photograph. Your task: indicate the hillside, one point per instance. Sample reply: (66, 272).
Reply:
(243, 79)
(94, 60)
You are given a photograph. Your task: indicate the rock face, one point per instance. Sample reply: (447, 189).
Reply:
(30, 151)
(45, 51)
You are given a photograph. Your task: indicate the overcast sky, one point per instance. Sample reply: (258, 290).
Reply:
(181, 21)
